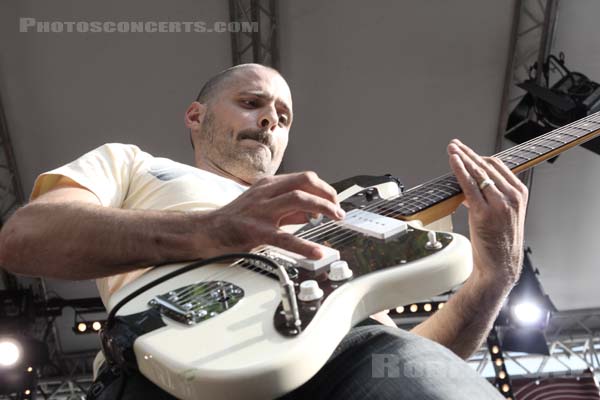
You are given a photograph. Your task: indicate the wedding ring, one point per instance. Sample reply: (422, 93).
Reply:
(485, 183)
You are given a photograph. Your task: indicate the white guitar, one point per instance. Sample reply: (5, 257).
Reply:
(249, 331)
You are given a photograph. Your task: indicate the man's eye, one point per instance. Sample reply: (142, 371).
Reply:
(249, 103)
(283, 119)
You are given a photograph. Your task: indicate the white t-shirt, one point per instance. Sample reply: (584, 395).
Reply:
(123, 176)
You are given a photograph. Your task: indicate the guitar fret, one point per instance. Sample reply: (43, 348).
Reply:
(556, 140)
(531, 151)
(542, 145)
(586, 124)
(569, 132)
(549, 144)
(593, 118)
(510, 156)
(444, 190)
(432, 192)
(583, 129)
(418, 200)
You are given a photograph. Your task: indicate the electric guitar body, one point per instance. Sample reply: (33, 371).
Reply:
(245, 349)
(232, 332)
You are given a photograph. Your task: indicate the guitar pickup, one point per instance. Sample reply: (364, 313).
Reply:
(372, 224)
(329, 255)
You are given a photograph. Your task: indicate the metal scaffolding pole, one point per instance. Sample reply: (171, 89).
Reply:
(532, 33)
(11, 190)
(261, 45)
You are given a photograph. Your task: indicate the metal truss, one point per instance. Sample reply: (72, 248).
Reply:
(574, 343)
(73, 383)
(534, 22)
(532, 33)
(261, 45)
(11, 190)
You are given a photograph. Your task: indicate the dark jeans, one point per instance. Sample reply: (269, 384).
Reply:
(372, 362)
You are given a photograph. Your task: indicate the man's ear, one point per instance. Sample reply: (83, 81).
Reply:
(194, 115)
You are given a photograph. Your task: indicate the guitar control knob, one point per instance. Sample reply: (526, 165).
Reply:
(309, 291)
(339, 271)
(433, 243)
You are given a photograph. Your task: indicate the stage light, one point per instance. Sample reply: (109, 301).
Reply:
(87, 327)
(10, 352)
(502, 375)
(400, 309)
(440, 306)
(495, 349)
(546, 107)
(27, 392)
(29, 369)
(498, 362)
(427, 307)
(505, 388)
(527, 312)
(414, 308)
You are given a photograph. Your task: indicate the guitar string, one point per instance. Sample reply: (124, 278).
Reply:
(515, 151)
(393, 208)
(349, 234)
(343, 236)
(187, 295)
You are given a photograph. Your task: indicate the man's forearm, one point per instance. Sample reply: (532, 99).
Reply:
(81, 241)
(464, 322)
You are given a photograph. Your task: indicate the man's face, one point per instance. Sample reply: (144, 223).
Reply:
(244, 131)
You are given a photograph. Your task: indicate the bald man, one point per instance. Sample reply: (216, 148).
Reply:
(118, 210)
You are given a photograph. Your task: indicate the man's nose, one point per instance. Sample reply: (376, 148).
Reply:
(268, 120)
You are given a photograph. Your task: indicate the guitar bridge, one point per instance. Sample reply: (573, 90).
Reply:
(197, 302)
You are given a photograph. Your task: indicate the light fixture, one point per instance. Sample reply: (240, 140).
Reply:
(87, 327)
(548, 106)
(20, 355)
(527, 312)
(10, 352)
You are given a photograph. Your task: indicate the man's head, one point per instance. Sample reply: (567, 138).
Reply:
(239, 123)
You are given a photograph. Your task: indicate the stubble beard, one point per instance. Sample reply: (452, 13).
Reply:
(227, 154)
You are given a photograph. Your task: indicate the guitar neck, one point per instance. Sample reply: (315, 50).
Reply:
(441, 196)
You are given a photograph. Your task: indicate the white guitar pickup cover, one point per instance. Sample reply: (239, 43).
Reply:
(372, 224)
(329, 255)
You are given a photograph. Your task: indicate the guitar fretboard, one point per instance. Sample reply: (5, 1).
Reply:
(517, 158)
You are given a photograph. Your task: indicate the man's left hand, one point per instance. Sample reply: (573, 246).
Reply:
(496, 214)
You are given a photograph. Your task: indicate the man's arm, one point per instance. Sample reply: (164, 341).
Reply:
(496, 223)
(67, 234)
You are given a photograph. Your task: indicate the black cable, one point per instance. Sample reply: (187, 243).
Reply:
(189, 267)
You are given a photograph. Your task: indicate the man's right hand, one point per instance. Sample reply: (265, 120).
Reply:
(255, 217)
